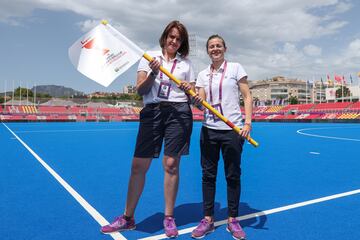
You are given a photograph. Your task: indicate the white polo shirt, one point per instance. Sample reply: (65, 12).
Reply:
(183, 71)
(228, 95)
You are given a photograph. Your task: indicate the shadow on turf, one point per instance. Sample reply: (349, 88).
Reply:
(191, 213)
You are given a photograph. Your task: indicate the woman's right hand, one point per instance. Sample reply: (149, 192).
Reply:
(155, 66)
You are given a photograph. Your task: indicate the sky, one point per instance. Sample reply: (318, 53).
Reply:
(304, 39)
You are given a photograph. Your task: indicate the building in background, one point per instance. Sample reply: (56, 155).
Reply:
(129, 89)
(278, 91)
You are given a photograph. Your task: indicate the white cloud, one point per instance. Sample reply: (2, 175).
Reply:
(253, 29)
(350, 59)
(354, 48)
(312, 50)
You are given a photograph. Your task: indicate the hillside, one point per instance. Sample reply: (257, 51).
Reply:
(57, 91)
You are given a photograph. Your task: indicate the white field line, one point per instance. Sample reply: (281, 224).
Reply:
(300, 131)
(78, 130)
(267, 212)
(92, 211)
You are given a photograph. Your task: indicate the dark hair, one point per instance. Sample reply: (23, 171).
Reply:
(184, 47)
(212, 37)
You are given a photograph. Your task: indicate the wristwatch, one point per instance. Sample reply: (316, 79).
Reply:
(153, 74)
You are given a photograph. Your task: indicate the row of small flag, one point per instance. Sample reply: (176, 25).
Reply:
(339, 79)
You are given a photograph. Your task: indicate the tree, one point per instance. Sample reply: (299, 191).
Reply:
(24, 92)
(339, 92)
(293, 100)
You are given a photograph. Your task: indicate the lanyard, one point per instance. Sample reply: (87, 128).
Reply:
(172, 68)
(220, 84)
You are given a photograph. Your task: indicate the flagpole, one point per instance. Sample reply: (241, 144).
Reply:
(20, 93)
(313, 91)
(342, 89)
(27, 94)
(5, 97)
(350, 88)
(306, 91)
(13, 95)
(204, 103)
(321, 90)
(34, 98)
(359, 85)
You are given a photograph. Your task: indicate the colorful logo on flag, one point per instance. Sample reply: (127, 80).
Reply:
(90, 43)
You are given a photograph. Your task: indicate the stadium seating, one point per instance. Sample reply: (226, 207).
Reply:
(321, 111)
(348, 116)
(331, 106)
(298, 107)
(29, 109)
(329, 116)
(274, 109)
(355, 106)
(52, 109)
(260, 109)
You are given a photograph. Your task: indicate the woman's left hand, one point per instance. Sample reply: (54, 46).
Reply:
(185, 86)
(245, 131)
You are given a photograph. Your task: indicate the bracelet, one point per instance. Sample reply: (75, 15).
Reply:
(153, 74)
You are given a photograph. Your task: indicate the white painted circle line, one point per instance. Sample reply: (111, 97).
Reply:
(300, 131)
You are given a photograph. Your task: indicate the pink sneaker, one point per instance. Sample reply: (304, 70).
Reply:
(170, 227)
(118, 225)
(202, 229)
(235, 229)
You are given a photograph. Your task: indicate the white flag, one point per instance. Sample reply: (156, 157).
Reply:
(103, 54)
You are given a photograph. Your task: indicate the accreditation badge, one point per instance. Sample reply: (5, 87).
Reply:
(219, 109)
(164, 90)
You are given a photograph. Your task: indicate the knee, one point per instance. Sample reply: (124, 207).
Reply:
(233, 177)
(138, 168)
(208, 179)
(234, 182)
(171, 169)
(171, 166)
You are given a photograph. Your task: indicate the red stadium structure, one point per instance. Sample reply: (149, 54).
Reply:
(321, 112)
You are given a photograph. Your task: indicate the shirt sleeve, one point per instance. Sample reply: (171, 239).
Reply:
(143, 65)
(200, 81)
(240, 72)
(191, 73)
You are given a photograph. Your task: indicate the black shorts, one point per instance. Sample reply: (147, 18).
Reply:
(168, 121)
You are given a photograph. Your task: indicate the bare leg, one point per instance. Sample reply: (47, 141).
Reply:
(136, 183)
(171, 183)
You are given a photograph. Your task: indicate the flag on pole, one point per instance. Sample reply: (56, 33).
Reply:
(329, 81)
(338, 78)
(103, 54)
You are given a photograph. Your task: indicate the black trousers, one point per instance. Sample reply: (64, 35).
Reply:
(230, 144)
